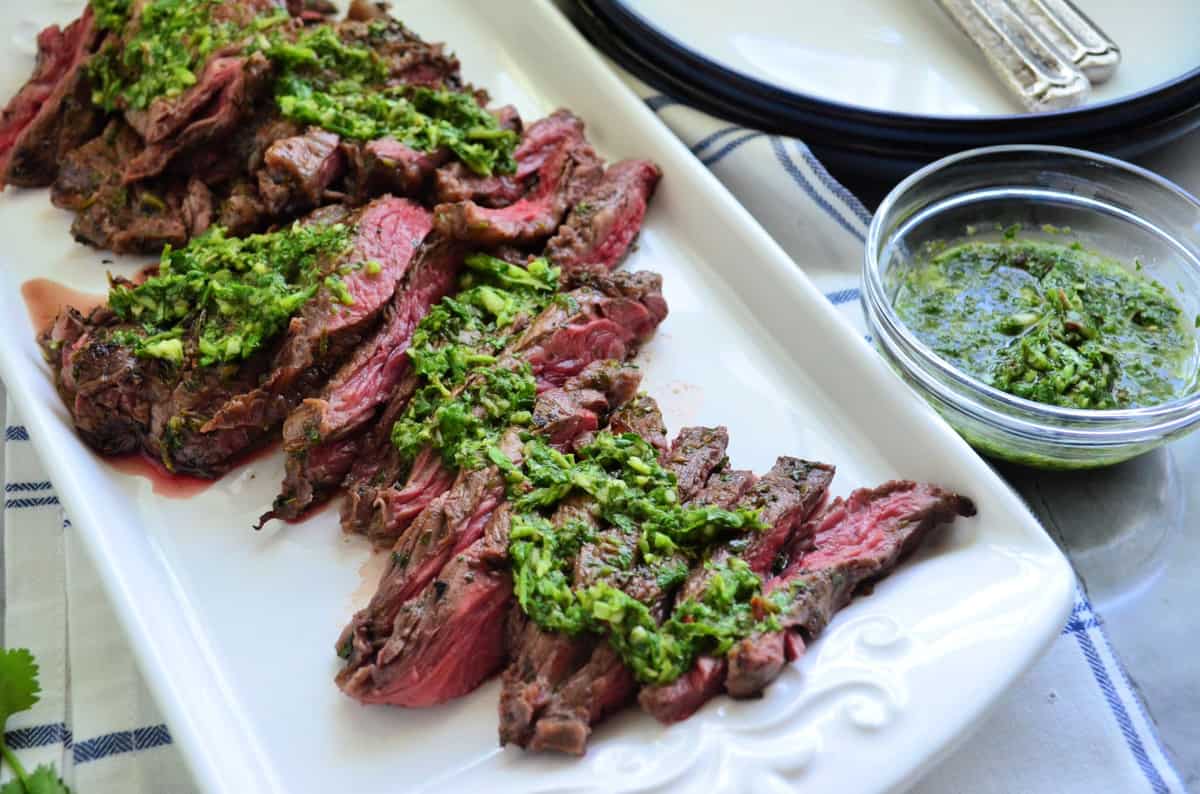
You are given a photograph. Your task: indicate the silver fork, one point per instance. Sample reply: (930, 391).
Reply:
(1046, 52)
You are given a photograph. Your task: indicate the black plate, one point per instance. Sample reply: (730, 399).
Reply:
(872, 146)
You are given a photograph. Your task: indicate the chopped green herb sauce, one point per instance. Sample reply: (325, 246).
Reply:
(229, 295)
(342, 88)
(164, 48)
(1052, 323)
(632, 493)
(319, 78)
(466, 400)
(111, 14)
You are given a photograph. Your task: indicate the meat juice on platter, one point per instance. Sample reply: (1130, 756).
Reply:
(421, 296)
(45, 299)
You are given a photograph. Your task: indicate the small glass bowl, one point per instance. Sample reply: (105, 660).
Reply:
(1059, 195)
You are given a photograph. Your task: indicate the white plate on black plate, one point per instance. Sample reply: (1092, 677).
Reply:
(234, 629)
(907, 56)
(893, 84)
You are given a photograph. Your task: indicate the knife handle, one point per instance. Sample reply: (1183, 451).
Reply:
(1074, 35)
(1024, 60)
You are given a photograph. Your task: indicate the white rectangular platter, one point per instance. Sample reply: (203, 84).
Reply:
(234, 629)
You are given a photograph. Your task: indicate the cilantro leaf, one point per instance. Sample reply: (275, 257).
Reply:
(19, 687)
(45, 780)
(19, 690)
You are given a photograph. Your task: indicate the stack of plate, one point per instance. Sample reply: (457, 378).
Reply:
(878, 88)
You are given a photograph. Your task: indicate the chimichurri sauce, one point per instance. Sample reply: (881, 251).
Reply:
(1052, 323)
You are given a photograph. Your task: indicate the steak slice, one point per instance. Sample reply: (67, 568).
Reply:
(566, 168)
(541, 662)
(136, 219)
(450, 638)
(857, 541)
(387, 644)
(388, 166)
(603, 683)
(298, 170)
(455, 182)
(388, 232)
(787, 495)
(236, 84)
(378, 465)
(203, 436)
(602, 227)
(52, 113)
(322, 435)
(107, 389)
(607, 320)
(409, 59)
(169, 115)
(784, 496)
(642, 417)
(197, 208)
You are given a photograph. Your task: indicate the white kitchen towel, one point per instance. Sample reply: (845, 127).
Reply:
(1073, 724)
(95, 721)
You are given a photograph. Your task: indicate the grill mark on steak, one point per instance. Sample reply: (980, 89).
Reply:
(785, 496)
(603, 225)
(603, 682)
(107, 389)
(387, 641)
(410, 59)
(322, 435)
(608, 320)
(52, 113)
(566, 168)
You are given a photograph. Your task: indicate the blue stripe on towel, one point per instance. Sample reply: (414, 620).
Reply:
(44, 485)
(842, 296)
(1082, 614)
(16, 433)
(798, 177)
(38, 501)
(38, 736)
(709, 140)
(121, 742)
(835, 187)
(720, 154)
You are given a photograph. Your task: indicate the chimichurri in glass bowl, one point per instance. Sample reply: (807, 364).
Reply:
(1044, 300)
(1053, 323)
